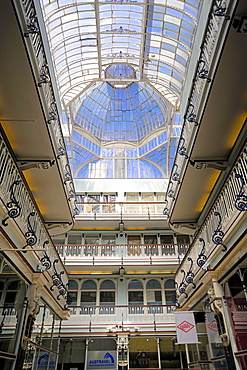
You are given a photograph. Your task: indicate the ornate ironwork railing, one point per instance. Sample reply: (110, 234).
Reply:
(201, 82)
(123, 251)
(30, 24)
(21, 209)
(227, 211)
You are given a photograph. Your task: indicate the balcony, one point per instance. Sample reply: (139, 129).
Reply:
(137, 255)
(24, 235)
(223, 233)
(214, 108)
(112, 319)
(30, 112)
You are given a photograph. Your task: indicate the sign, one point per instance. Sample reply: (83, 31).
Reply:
(212, 328)
(43, 360)
(185, 327)
(102, 360)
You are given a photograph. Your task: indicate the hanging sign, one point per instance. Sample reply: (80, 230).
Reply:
(212, 329)
(185, 327)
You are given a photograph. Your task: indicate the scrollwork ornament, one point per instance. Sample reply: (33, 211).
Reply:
(203, 72)
(61, 148)
(32, 27)
(67, 173)
(182, 148)
(175, 296)
(175, 174)
(53, 116)
(218, 235)
(45, 260)
(220, 10)
(190, 275)
(76, 210)
(170, 192)
(13, 204)
(202, 258)
(191, 116)
(44, 76)
(241, 198)
(30, 235)
(72, 193)
(182, 285)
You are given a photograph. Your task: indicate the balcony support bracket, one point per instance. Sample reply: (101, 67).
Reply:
(215, 164)
(40, 164)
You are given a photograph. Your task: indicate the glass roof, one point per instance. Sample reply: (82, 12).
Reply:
(154, 37)
(128, 113)
(120, 67)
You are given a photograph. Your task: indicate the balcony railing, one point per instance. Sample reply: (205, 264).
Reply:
(125, 210)
(121, 251)
(117, 318)
(211, 241)
(207, 63)
(31, 20)
(22, 217)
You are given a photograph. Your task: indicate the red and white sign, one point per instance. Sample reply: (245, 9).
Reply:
(185, 327)
(212, 328)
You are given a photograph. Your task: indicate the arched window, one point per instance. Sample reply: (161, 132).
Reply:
(107, 296)
(88, 296)
(73, 290)
(135, 296)
(154, 296)
(169, 294)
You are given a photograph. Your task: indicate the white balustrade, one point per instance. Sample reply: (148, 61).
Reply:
(126, 251)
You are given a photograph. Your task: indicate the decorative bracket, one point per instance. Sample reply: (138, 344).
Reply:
(29, 164)
(202, 165)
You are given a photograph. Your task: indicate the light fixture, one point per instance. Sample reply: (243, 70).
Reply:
(121, 273)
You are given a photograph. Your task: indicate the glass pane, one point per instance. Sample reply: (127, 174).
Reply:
(88, 298)
(107, 284)
(107, 298)
(135, 297)
(89, 284)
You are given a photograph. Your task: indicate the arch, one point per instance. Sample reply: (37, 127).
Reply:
(107, 284)
(135, 284)
(170, 284)
(153, 284)
(88, 285)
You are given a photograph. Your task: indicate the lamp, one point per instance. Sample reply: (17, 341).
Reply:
(121, 228)
(121, 272)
